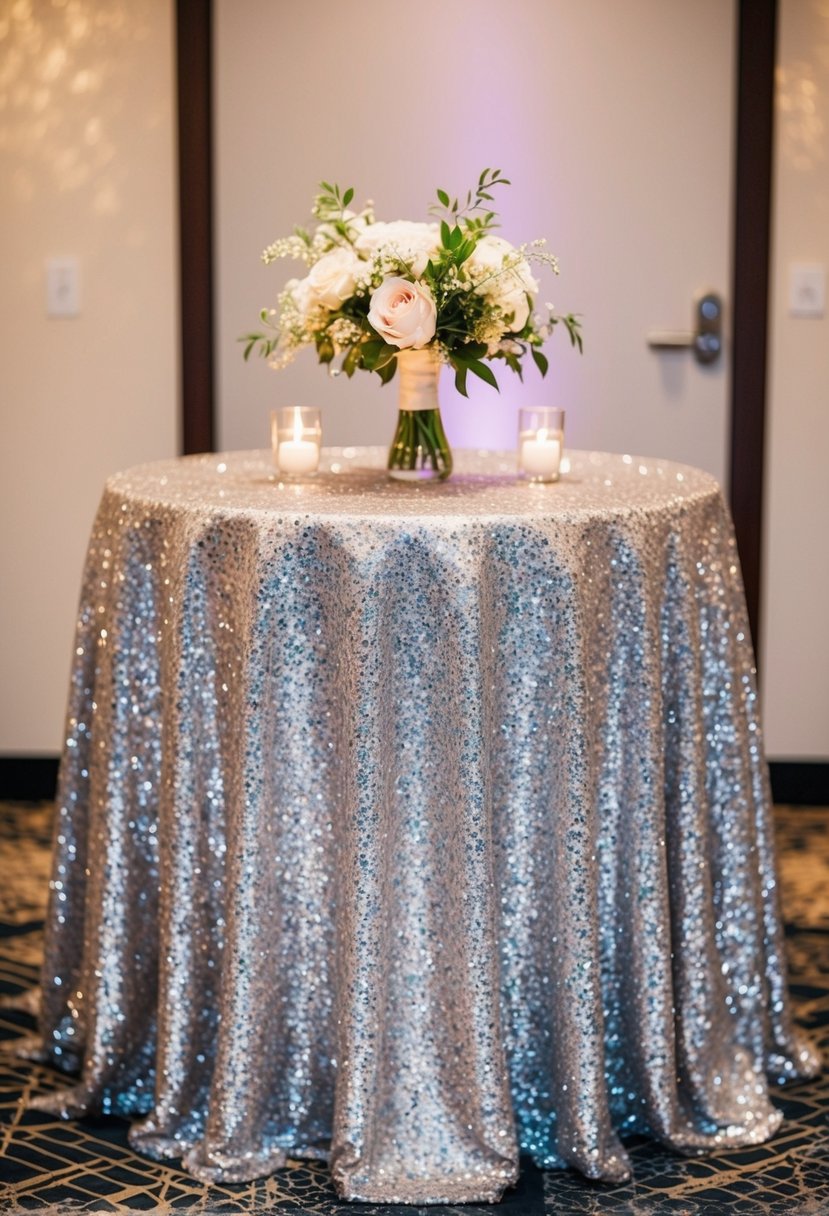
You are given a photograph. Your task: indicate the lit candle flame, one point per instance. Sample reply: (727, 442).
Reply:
(541, 434)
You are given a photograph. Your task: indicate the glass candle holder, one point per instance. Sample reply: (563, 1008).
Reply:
(296, 436)
(540, 443)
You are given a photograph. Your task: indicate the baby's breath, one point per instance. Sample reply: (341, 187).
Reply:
(288, 247)
(344, 332)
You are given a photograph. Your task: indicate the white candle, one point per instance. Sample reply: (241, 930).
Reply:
(541, 455)
(297, 456)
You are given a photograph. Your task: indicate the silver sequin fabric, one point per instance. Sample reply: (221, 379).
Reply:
(414, 826)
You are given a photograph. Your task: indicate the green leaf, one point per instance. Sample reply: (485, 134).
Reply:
(444, 197)
(348, 196)
(541, 361)
(325, 347)
(455, 238)
(485, 373)
(464, 251)
(514, 364)
(387, 370)
(574, 330)
(352, 360)
(371, 352)
(471, 352)
(460, 380)
(377, 354)
(445, 235)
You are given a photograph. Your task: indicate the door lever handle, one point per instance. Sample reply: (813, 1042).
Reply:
(706, 341)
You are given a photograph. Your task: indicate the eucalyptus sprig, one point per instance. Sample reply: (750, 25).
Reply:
(330, 204)
(457, 210)
(573, 326)
(263, 344)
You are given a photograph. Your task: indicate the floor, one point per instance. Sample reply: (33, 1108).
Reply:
(56, 1168)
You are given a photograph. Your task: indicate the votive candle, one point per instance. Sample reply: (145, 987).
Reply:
(540, 443)
(296, 433)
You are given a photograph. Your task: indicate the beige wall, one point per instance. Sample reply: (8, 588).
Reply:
(86, 170)
(795, 643)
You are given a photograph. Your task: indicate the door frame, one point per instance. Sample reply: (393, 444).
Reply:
(755, 51)
(194, 91)
(751, 267)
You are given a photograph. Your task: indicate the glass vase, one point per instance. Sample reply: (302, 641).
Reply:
(419, 450)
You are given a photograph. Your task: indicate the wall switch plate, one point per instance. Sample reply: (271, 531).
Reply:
(63, 294)
(807, 290)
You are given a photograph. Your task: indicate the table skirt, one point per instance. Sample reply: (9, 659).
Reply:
(413, 842)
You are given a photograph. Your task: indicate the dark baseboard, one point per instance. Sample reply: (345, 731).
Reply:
(34, 778)
(800, 783)
(28, 778)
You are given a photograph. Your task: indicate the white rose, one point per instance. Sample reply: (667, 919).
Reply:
(331, 279)
(403, 313)
(490, 252)
(302, 296)
(405, 240)
(516, 304)
(506, 289)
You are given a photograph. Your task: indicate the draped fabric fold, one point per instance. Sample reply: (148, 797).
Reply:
(411, 827)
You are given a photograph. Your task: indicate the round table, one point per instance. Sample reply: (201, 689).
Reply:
(414, 825)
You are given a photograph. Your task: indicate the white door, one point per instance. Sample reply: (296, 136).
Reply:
(614, 122)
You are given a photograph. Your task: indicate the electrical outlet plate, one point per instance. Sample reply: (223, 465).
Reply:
(807, 290)
(63, 295)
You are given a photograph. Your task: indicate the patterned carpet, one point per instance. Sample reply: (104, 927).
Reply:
(55, 1168)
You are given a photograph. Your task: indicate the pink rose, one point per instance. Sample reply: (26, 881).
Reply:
(403, 313)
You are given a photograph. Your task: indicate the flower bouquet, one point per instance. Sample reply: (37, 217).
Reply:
(414, 296)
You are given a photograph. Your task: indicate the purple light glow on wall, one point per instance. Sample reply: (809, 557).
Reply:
(489, 419)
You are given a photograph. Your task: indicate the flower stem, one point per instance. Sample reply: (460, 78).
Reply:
(419, 448)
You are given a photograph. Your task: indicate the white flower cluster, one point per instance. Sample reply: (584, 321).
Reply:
(386, 263)
(402, 243)
(501, 273)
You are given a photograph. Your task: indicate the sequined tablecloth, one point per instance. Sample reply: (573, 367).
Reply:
(413, 825)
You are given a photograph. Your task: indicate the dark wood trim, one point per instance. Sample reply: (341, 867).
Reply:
(195, 160)
(28, 778)
(800, 783)
(756, 52)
